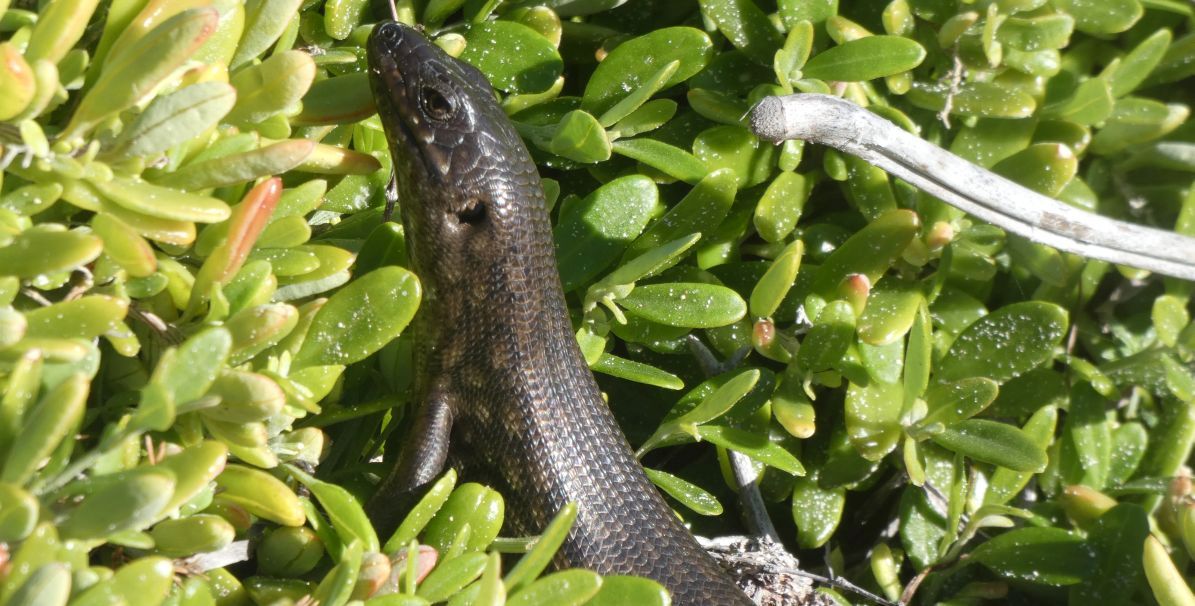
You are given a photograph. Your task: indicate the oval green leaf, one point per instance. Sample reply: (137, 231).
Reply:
(692, 305)
(866, 59)
(361, 317)
(516, 58)
(1006, 343)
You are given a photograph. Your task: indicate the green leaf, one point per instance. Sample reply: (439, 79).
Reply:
(55, 417)
(1006, 343)
(187, 536)
(746, 26)
(981, 99)
(692, 305)
(265, 22)
(567, 588)
(816, 511)
(437, 11)
(712, 406)
(132, 74)
(343, 509)
(949, 403)
(1102, 16)
(579, 137)
(703, 208)
(478, 508)
(516, 58)
(1170, 317)
(993, 442)
(40, 548)
(273, 159)
(890, 312)
(1116, 538)
(647, 117)
(688, 494)
(334, 263)
(870, 251)
(422, 512)
(274, 86)
(775, 283)
(31, 199)
(1136, 121)
(1169, 586)
(219, 48)
(1049, 31)
(143, 582)
(258, 328)
(194, 468)
(1091, 103)
(617, 590)
(826, 343)
(1137, 65)
(49, 585)
(452, 576)
(36, 252)
(636, 371)
(337, 100)
(640, 95)
(491, 591)
(866, 59)
(668, 159)
(163, 202)
(337, 586)
(361, 318)
(814, 11)
(20, 513)
(261, 494)
(535, 561)
(1006, 483)
(593, 232)
(1129, 442)
(132, 503)
(636, 61)
(1090, 434)
(873, 418)
(176, 118)
(649, 263)
(286, 232)
(341, 16)
(82, 318)
(125, 246)
(60, 25)
(781, 205)
(734, 147)
(754, 446)
(18, 79)
(1045, 556)
(1043, 167)
(798, 46)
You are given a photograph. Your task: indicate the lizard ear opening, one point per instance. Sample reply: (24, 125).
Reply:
(472, 212)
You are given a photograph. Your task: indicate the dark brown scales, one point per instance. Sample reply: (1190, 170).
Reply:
(502, 382)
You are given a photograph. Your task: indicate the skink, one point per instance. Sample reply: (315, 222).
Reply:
(505, 394)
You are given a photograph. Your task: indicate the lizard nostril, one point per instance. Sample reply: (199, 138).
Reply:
(389, 31)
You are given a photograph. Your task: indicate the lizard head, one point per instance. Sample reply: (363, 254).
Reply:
(465, 180)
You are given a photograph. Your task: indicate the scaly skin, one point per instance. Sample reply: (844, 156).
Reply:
(501, 378)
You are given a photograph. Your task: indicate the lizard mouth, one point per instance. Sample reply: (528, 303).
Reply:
(395, 54)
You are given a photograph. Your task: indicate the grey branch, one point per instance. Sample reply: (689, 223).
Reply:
(852, 129)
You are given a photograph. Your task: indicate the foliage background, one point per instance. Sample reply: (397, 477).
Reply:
(200, 306)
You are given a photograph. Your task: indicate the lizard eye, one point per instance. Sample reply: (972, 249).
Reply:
(435, 104)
